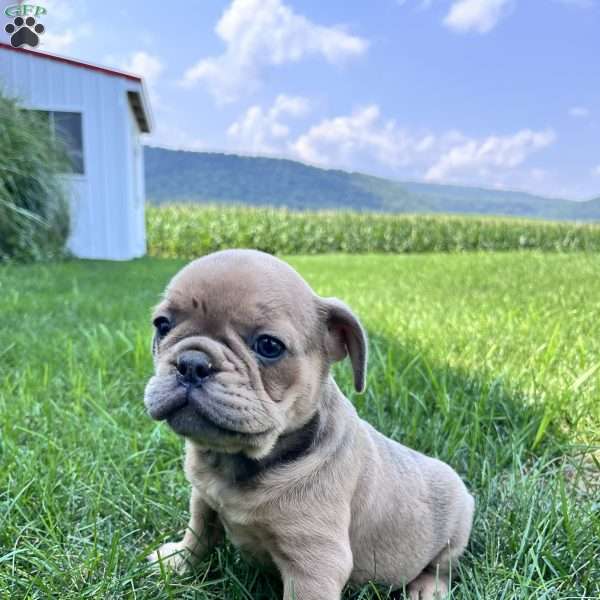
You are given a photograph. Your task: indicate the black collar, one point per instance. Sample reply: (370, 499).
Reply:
(241, 469)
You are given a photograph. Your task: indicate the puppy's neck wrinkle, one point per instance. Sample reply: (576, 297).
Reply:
(242, 470)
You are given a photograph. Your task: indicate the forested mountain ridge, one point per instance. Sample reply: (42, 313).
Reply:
(185, 176)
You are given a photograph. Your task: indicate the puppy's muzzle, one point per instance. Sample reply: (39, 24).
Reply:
(193, 368)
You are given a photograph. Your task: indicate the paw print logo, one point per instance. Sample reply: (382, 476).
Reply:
(24, 32)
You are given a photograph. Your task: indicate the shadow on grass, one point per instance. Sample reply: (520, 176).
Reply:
(467, 418)
(534, 534)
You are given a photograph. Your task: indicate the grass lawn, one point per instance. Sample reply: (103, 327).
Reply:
(488, 361)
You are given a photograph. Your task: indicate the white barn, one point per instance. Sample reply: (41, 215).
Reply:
(101, 114)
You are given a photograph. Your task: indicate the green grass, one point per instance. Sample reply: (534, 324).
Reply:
(489, 361)
(187, 231)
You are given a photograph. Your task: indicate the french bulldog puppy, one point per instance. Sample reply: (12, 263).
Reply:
(276, 455)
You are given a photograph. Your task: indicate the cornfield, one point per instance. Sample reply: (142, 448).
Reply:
(186, 231)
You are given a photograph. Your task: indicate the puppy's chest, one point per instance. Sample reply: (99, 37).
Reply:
(223, 497)
(238, 514)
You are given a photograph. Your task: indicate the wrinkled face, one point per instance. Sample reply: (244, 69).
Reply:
(239, 352)
(242, 349)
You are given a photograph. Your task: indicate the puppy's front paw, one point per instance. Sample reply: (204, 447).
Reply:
(428, 587)
(174, 555)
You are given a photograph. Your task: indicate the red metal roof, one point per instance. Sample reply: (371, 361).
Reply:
(75, 63)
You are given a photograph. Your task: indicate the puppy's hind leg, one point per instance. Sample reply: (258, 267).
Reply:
(204, 531)
(433, 583)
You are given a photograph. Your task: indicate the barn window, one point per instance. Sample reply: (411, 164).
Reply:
(66, 126)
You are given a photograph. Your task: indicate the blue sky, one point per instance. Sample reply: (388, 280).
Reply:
(500, 93)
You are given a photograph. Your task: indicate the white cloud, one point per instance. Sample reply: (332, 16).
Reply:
(64, 27)
(361, 136)
(60, 11)
(65, 41)
(263, 131)
(57, 42)
(364, 140)
(263, 33)
(476, 15)
(483, 15)
(146, 65)
(580, 112)
(596, 171)
(494, 152)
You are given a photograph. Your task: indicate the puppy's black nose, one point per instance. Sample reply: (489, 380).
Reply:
(193, 367)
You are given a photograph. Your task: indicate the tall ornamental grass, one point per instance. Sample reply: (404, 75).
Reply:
(34, 212)
(186, 231)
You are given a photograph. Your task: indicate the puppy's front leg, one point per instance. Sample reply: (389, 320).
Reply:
(204, 531)
(299, 588)
(317, 572)
(314, 584)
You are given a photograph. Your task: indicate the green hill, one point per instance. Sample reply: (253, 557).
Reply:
(183, 176)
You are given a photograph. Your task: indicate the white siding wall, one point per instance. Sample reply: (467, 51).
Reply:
(107, 214)
(138, 188)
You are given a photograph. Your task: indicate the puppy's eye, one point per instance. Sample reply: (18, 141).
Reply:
(163, 326)
(266, 346)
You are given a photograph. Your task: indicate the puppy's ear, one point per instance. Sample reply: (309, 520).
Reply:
(346, 336)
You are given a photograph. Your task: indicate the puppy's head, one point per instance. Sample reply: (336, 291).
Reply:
(242, 349)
